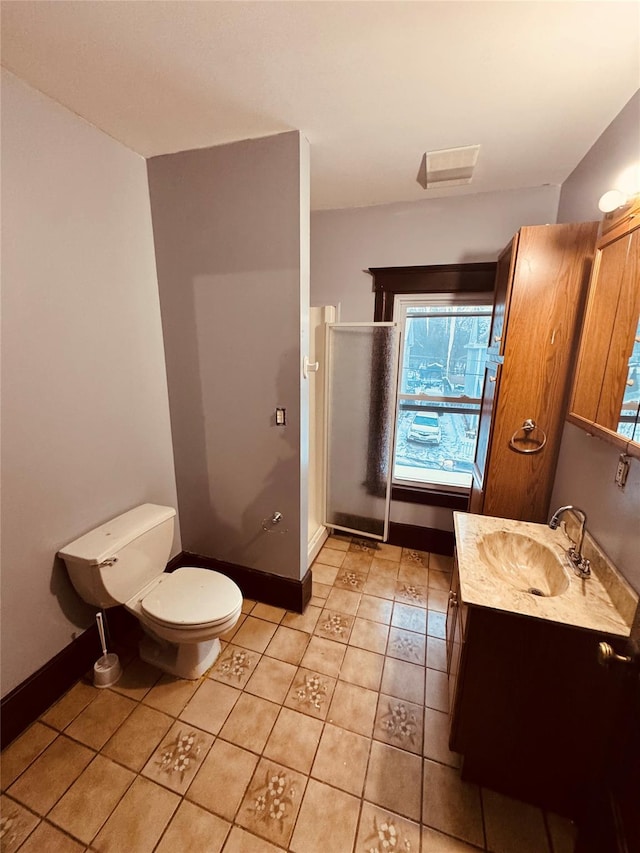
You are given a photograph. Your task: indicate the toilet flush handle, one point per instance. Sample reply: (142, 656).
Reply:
(108, 562)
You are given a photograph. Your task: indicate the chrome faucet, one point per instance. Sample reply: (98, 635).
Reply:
(581, 566)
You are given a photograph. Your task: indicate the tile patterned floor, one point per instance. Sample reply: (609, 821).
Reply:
(317, 733)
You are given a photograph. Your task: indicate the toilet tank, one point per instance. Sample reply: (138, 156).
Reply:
(110, 564)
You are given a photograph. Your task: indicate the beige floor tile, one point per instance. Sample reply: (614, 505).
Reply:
(221, 782)
(24, 749)
(364, 545)
(436, 624)
(563, 833)
(344, 601)
(436, 654)
(330, 557)
(311, 693)
(350, 579)
(413, 574)
(380, 586)
(327, 820)
(72, 703)
(234, 666)
(410, 618)
(393, 780)
(137, 737)
(320, 592)
(436, 693)
(439, 580)
(435, 842)
(210, 706)
(241, 841)
(407, 645)
(375, 609)
(324, 574)
(288, 645)
(303, 621)
(353, 708)
(436, 738)
(250, 723)
(46, 780)
(381, 830)
(389, 552)
(403, 680)
(512, 826)
(362, 667)
(399, 723)
(255, 634)
(17, 824)
(99, 720)
(358, 561)
(383, 568)
(334, 626)
(324, 656)
(272, 801)
(341, 759)
(195, 830)
(268, 612)
(451, 805)
(247, 605)
(340, 543)
(371, 636)
(438, 599)
(271, 679)
(441, 563)
(137, 679)
(47, 838)
(178, 758)
(409, 593)
(317, 601)
(170, 694)
(412, 557)
(90, 800)
(139, 819)
(294, 740)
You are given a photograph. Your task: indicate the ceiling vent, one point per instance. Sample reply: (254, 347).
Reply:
(449, 167)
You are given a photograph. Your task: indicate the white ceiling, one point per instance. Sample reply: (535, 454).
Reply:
(372, 85)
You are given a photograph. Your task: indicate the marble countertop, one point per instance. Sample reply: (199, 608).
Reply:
(604, 602)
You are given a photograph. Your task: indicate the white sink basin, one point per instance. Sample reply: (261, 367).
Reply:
(523, 562)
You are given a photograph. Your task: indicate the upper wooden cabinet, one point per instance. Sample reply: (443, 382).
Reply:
(541, 282)
(606, 393)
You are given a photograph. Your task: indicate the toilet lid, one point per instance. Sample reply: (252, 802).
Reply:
(192, 596)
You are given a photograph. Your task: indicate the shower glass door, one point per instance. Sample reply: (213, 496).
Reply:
(361, 377)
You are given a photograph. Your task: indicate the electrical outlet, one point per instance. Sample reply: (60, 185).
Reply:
(622, 470)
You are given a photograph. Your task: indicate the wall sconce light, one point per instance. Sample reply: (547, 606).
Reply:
(612, 200)
(627, 185)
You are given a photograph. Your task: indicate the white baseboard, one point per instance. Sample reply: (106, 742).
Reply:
(316, 542)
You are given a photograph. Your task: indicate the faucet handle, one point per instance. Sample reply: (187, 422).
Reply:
(582, 564)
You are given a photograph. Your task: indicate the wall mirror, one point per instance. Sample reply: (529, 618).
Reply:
(606, 391)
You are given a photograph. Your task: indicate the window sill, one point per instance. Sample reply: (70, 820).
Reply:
(430, 497)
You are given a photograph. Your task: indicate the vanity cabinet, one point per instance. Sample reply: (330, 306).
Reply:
(541, 283)
(532, 712)
(606, 391)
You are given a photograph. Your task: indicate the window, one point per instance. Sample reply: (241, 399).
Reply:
(443, 348)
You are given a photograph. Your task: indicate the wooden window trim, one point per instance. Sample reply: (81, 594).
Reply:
(441, 278)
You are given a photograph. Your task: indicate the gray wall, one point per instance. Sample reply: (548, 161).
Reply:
(86, 431)
(462, 229)
(587, 466)
(233, 282)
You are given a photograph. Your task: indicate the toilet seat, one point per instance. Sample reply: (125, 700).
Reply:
(192, 598)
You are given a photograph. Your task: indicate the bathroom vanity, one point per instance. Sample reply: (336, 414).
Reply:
(532, 711)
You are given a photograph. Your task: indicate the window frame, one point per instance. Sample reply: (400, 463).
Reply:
(388, 282)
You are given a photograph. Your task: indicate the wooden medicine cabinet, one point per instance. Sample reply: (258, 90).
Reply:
(606, 390)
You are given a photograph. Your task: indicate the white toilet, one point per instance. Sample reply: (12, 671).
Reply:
(182, 613)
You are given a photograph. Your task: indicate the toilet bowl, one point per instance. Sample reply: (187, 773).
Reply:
(182, 613)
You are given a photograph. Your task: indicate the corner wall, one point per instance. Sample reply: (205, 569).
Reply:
(587, 466)
(229, 227)
(86, 431)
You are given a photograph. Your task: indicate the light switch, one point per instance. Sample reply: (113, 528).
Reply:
(281, 417)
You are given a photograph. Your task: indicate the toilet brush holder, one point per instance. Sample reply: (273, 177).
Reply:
(106, 670)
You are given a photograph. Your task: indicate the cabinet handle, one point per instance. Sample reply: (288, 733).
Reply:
(630, 383)
(453, 598)
(493, 378)
(497, 338)
(606, 655)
